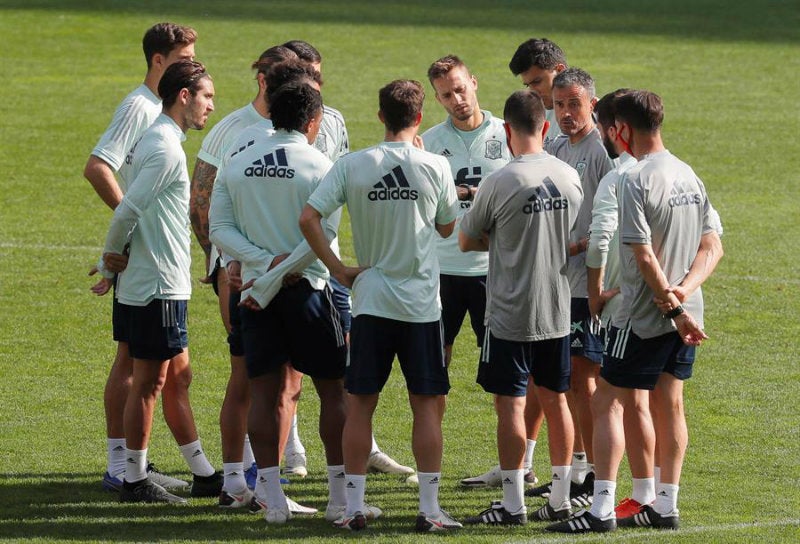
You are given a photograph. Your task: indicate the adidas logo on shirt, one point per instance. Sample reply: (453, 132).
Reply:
(446, 153)
(272, 165)
(393, 186)
(545, 198)
(683, 197)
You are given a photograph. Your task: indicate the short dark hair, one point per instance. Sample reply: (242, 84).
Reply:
(401, 102)
(443, 66)
(539, 52)
(272, 56)
(304, 50)
(184, 74)
(164, 37)
(294, 105)
(642, 110)
(290, 71)
(605, 110)
(524, 112)
(575, 77)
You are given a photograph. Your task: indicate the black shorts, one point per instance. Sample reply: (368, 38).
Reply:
(505, 365)
(235, 342)
(119, 325)
(341, 297)
(157, 331)
(636, 363)
(583, 341)
(462, 294)
(374, 342)
(300, 325)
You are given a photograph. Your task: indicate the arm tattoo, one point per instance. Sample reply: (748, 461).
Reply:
(201, 186)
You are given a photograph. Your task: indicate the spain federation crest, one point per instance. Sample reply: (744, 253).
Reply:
(581, 168)
(494, 149)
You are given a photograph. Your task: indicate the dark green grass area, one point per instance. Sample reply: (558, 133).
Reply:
(728, 74)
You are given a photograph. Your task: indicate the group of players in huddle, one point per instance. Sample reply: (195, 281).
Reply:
(575, 241)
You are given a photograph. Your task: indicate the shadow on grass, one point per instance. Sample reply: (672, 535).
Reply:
(73, 506)
(757, 20)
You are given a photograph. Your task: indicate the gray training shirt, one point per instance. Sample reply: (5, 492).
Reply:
(528, 208)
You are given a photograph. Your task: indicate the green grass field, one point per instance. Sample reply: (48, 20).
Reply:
(728, 73)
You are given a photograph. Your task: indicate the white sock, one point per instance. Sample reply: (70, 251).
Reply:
(355, 485)
(336, 495)
(247, 453)
(429, 492)
(375, 448)
(530, 446)
(115, 453)
(234, 478)
(293, 444)
(513, 489)
(644, 490)
(604, 499)
(196, 459)
(657, 474)
(135, 465)
(666, 498)
(579, 467)
(559, 494)
(269, 487)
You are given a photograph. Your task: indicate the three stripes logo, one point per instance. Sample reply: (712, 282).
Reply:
(545, 198)
(272, 165)
(682, 196)
(393, 186)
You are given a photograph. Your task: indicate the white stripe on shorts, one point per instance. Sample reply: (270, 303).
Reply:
(334, 316)
(621, 342)
(485, 348)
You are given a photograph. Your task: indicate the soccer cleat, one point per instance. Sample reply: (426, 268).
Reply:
(356, 522)
(251, 476)
(258, 505)
(548, 513)
(530, 479)
(295, 463)
(487, 479)
(627, 508)
(147, 491)
(542, 491)
(581, 495)
(583, 522)
(334, 512)
(235, 500)
(167, 482)
(648, 517)
(207, 486)
(413, 479)
(111, 483)
(442, 521)
(381, 462)
(496, 514)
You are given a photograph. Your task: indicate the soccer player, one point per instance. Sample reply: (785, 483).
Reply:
(237, 455)
(522, 216)
(581, 147)
(257, 200)
(669, 248)
(147, 245)
(334, 143)
(537, 62)
(163, 44)
(400, 200)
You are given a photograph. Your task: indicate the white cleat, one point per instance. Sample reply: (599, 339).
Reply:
(334, 512)
(235, 500)
(488, 479)
(277, 516)
(380, 462)
(413, 480)
(295, 464)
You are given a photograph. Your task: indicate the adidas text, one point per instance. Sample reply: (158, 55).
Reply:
(393, 194)
(269, 171)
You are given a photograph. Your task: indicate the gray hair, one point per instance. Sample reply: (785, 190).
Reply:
(575, 77)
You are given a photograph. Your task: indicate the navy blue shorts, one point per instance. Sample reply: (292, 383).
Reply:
(374, 342)
(505, 365)
(341, 297)
(300, 325)
(636, 363)
(235, 342)
(583, 342)
(157, 331)
(462, 294)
